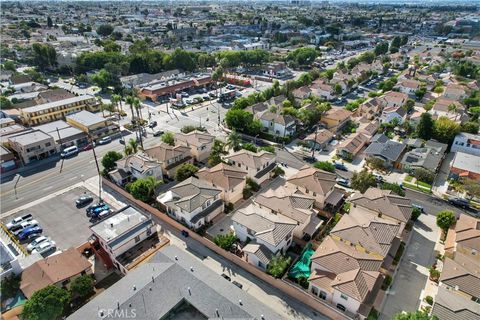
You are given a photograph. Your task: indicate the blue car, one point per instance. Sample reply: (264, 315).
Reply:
(95, 212)
(25, 234)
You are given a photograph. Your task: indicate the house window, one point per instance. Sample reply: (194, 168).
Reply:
(323, 295)
(344, 297)
(315, 290)
(137, 239)
(261, 265)
(314, 194)
(341, 307)
(149, 231)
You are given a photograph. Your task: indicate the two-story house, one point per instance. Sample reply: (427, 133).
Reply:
(200, 143)
(269, 234)
(467, 143)
(259, 166)
(170, 157)
(231, 180)
(136, 166)
(193, 202)
(336, 119)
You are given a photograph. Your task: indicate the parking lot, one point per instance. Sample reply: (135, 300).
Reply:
(67, 225)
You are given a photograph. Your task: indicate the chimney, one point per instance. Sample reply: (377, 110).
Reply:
(134, 288)
(191, 269)
(111, 225)
(118, 305)
(189, 292)
(240, 302)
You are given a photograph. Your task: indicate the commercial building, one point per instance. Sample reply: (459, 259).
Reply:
(172, 86)
(32, 145)
(93, 125)
(58, 110)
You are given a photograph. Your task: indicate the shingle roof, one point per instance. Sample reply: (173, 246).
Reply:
(384, 202)
(171, 277)
(260, 251)
(51, 270)
(223, 175)
(267, 226)
(390, 150)
(462, 271)
(449, 305)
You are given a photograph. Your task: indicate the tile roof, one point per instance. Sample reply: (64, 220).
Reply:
(223, 175)
(260, 251)
(313, 179)
(52, 270)
(453, 306)
(354, 143)
(467, 232)
(267, 226)
(191, 194)
(172, 277)
(251, 159)
(463, 272)
(385, 202)
(195, 138)
(164, 152)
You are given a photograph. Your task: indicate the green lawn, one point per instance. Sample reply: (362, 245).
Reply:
(419, 188)
(424, 184)
(408, 178)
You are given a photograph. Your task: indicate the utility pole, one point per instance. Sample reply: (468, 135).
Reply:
(98, 171)
(314, 142)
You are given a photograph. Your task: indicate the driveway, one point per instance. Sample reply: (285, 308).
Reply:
(412, 275)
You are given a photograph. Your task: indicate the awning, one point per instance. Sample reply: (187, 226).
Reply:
(334, 198)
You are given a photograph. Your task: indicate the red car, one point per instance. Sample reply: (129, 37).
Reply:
(88, 147)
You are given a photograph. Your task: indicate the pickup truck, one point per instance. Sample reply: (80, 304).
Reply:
(17, 221)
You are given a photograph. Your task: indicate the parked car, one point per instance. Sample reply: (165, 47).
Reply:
(45, 248)
(83, 200)
(94, 206)
(18, 220)
(32, 245)
(343, 182)
(226, 277)
(238, 284)
(28, 232)
(340, 166)
(104, 140)
(419, 207)
(212, 94)
(309, 159)
(378, 177)
(96, 211)
(185, 233)
(158, 133)
(189, 101)
(24, 225)
(459, 202)
(152, 124)
(184, 94)
(206, 98)
(88, 147)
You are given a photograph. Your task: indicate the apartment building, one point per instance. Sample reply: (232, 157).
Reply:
(58, 110)
(467, 143)
(93, 125)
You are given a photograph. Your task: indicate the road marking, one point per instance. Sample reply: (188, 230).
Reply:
(48, 188)
(72, 178)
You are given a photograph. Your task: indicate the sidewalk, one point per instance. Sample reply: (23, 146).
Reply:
(32, 166)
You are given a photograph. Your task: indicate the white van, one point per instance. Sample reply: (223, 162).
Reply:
(70, 151)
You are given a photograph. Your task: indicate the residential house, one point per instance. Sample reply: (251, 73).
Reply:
(428, 157)
(344, 276)
(193, 202)
(276, 123)
(277, 70)
(231, 180)
(200, 143)
(92, 124)
(368, 129)
(467, 143)
(301, 93)
(32, 145)
(452, 109)
(57, 270)
(259, 165)
(123, 238)
(319, 139)
(462, 275)
(389, 114)
(136, 166)
(6, 122)
(370, 109)
(58, 110)
(369, 232)
(393, 99)
(270, 234)
(465, 165)
(464, 237)
(384, 203)
(450, 305)
(323, 90)
(174, 284)
(286, 201)
(318, 184)
(336, 119)
(389, 151)
(351, 146)
(170, 157)
(408, 86)
(455, 92)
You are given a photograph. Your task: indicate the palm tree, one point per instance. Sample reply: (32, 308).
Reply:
(233, 141)
(116, 100)
(137, 105)
(132, 147)
(129, 100)
(152, 184)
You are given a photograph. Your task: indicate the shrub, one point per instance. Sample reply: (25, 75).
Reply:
(278, 265)
(225, 241)
(253, 185)
(394, 187)
(303, 282)
(82, 286)
(10, 286)
(185, 171)
(387, 282)
(445, 219)
(278, 172)
(424, 175)
(416, 213)
(325, 165)
(434, 274)
(429, 300)
(247, 192)
(228, 207)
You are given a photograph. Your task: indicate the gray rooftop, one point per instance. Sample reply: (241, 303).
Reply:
(86, 118)
(30, 137)
(466, 161)
(171, 278)
(451, 305)
(115, 228)
(389, 150)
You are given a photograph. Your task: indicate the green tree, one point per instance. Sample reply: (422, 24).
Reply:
(9, 65)
(109, 159)
(445, 219)
(303, 56)
(225, 241)
(338, 89)
(44, 56)
(143, 189)
(49, 22)
(105, 30)
(249, 147)
(278, 265)
(82, 286)
(5, 103)
(470, 127)
(393, 187)
(181, 59)
(325, 165)
(425, 126)
(238, 119)
(131, 147)
(381, 48)
(363, 180)
(168, 138)
(417, 315)
(445, 129)
(46, 303)
(10, 286)
(103, 79)
(234, 140)
(185, 171)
